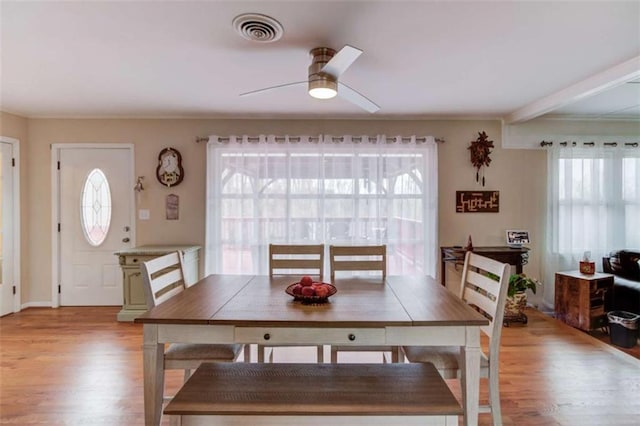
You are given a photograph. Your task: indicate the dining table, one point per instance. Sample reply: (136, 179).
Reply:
(255, 309)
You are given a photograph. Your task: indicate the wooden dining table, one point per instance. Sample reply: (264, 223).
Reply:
(254, 309)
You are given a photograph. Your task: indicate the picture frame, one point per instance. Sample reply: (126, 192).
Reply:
(517, 237)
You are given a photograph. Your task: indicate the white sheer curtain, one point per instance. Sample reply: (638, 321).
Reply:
(321, 189)
(593, 205)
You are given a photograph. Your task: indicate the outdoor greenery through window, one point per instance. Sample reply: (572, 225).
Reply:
(308, 193)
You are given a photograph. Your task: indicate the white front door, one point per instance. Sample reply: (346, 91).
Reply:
(95, 205)
(7, 279)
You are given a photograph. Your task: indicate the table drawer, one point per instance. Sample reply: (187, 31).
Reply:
(311, 336)
(135, 260)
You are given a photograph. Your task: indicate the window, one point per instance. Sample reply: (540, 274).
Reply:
(594, 204)
(95, 207)
(332, 193)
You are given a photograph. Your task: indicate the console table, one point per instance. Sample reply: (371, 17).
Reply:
(134, 303)
(516, 256)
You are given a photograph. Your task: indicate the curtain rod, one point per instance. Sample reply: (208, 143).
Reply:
(438, 140)
(591, 144)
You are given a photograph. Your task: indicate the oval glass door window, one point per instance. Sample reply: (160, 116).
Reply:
(95, 206)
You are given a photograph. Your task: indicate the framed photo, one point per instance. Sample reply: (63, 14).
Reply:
(517, 237)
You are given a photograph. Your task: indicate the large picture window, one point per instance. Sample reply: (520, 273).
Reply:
(314, 190)
(594, 204)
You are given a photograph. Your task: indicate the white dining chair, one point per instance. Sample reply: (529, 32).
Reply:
(484, 286)
(163, 278)
(294, 260)
(358, 259)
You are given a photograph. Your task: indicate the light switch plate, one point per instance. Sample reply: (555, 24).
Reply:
(144, 214)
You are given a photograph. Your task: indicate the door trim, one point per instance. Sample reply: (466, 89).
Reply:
(15, 145)
(56, 148)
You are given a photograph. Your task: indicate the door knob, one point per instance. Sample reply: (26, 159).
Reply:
(125, 240)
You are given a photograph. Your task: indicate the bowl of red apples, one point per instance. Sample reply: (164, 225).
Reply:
(309, 291)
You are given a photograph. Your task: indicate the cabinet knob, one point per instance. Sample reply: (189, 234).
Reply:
(267, 336)
(352, 337)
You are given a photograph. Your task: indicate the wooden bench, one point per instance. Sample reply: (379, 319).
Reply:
(306, 394)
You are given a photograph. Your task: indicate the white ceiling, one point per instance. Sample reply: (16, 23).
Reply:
(422, 59)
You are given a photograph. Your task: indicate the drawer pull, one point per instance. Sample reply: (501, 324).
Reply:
(352, 337)
(267, 336)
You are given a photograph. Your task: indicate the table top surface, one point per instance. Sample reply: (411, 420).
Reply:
(155, 249)
(248, 300)
(580, 275)
(487, 249)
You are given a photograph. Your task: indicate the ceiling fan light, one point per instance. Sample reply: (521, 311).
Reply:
(323, 92)
(322, 86)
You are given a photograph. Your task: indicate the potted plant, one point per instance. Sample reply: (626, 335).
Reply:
(516, 294)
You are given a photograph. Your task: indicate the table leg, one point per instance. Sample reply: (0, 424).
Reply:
(443, 270)
(153, 367)
(471, 376)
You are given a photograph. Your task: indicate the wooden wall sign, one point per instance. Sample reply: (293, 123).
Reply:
(477, 201)
(172, 207)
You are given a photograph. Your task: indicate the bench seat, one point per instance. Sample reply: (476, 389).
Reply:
(296, 394)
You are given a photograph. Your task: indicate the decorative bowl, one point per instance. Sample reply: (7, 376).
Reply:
(311, 299)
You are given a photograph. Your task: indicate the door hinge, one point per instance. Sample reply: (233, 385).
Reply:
(59, 288)
(14, 289)
(13, 162)
(58, 165)
(58, 227)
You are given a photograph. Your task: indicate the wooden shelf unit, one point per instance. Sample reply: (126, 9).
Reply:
(580, 298)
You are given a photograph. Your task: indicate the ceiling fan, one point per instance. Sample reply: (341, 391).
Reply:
(326, 67)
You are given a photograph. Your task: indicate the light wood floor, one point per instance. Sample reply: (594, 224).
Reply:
(78, 366)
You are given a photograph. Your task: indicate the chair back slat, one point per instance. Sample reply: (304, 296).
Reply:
(358, 258)
(484, 282)
(484, 285)
(294, 258)
(162, 277)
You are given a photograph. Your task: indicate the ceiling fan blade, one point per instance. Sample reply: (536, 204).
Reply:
(356, 98)
(341, 61)
(253, 92)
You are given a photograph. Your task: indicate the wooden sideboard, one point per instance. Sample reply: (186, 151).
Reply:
(579, 298)
(134, 303)
(516, 256)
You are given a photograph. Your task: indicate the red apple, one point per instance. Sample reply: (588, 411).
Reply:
(322, 291)
(308, 291)
(297, 289)
(306, 281)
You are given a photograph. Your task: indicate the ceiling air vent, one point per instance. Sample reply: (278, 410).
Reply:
(257, 27)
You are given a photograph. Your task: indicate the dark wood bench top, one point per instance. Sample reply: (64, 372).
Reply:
(314, 389)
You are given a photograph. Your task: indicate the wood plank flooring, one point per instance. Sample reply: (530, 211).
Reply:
(78, 366)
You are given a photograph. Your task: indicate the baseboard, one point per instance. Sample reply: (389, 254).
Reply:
(35, 305)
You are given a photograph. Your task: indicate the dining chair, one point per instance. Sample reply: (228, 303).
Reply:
(360, 258)
(163, 278)
(294, 259)
(484, 286)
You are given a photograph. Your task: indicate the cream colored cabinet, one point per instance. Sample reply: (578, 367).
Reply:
(134, 303)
